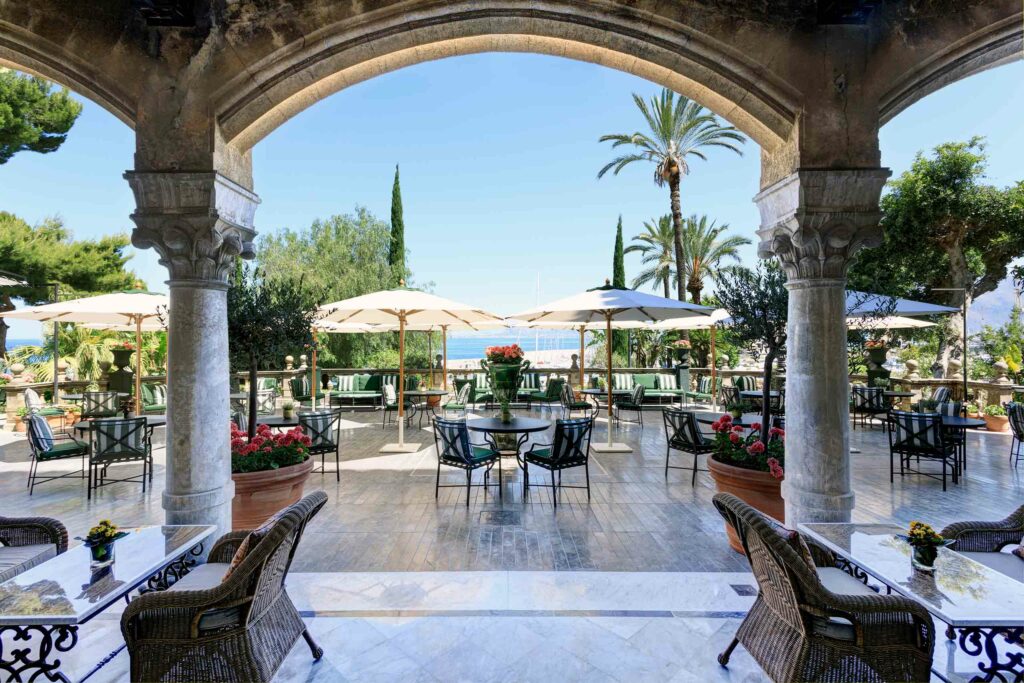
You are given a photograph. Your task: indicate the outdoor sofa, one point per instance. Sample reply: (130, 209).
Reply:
(366, 389)
(154, 398)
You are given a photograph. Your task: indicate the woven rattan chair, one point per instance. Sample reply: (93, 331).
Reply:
(682, 433)
(570, 448)
(28, 541)
(983, 541)
(323, 427)
(813, 622)
(210, 628)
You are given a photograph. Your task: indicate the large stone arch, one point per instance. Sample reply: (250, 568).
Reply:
(311, 67)
(32, 53)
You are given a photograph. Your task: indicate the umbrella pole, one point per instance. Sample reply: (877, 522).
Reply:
(401, 446)
(714, 364)
(138, 366)
(582, 384)
(610, 447)
(430, 358)
(315, 384)
(444, 347)
(56, 348)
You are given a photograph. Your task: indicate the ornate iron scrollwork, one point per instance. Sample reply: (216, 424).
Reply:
(852, 569)
(35, 660)
(982, 643)
(173, 572)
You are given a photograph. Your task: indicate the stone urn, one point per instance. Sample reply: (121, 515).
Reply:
(259, 495)
(121, 378)
(505, 378)
(760, 490)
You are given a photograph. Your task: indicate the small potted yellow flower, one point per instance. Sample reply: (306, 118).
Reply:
(925, 544)
(100, 542)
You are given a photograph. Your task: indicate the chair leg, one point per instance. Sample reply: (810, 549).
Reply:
(501, 484)
(437, 482)
(337, 466)
(315, 649)
(693, 479)
(32, 469)
(723, 658)
(586, 470)
(469, 480)
(526, 478)
(554, 491)
(667, 451)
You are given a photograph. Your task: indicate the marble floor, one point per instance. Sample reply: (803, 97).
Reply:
(636, 584)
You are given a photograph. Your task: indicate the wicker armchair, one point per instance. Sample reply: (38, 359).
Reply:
(816, 623)
(205, 628)
(27, 541)
(983, 541)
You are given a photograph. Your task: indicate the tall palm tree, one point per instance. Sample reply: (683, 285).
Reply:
(656, 245)
(704, 248)
(679, 128)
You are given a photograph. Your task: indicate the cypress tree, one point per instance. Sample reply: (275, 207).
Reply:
(396, 251)
(620, 343)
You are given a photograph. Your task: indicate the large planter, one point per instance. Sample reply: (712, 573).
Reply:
(997, 423)
(759, 490)
(260, 495)
(122, 377)
(505, 378)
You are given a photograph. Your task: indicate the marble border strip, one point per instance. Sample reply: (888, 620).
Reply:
(642, 614)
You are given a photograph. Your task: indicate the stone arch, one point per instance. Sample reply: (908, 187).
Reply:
(306, 70)
(33, 54)
(994, 44)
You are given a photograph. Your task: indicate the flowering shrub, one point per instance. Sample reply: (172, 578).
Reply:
(682, 344)
(875, 344)
(125, 345)
(504, 354)
(742, 447)
(267, 450)
(5, 378)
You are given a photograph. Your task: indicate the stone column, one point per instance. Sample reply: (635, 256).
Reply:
(198, 222)
(814, 221)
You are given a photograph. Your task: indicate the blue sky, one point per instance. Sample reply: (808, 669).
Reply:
(499, 157)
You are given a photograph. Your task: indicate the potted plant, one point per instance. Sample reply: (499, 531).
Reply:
(928, 405)
(288, 409)
(737, 408)
(973, 410)
(100, 542)
(269, 472)
(20, 425)
(924, 543)
(996, 419)
(749, 468)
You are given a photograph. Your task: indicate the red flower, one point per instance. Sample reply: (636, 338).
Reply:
(306, 441)
(737, 429)
(267, 449)
(734, 437)
(756, 426)
(726, 418)
(775, 468)
(755, 448)
(716, 426)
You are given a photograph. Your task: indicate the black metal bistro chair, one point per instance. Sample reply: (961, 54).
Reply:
(919, 436)
(391, 406)
(100, 404)
(868, 404)
(459, 404)
(451, 439)
(115, 441)
(633, 403)
(241, 419)
(323, 427)
(682, 433)
(266, 402)
(1015, 411)
(48, 447)
(957, 437)
(571, 448)
(571, 405)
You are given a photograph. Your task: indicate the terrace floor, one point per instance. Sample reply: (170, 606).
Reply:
(637, 584)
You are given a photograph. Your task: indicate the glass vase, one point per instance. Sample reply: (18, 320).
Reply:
(923, 558)
(101, 555)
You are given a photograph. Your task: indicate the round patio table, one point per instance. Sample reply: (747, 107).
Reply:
(745, 420)
(278, 420)
(425, 394)
(595, 394)
(900, 395)
(755, 394)
(521, 426)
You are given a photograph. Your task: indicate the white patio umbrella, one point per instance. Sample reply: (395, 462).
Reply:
(133, 309)
(406, 307)
(887, 322)
(614, 307)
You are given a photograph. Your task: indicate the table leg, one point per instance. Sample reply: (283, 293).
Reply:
(982, 642)
(169, 575)
(27, 653)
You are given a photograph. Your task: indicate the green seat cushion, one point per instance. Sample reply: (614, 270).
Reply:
(646, 380)
(580, 405)
(482, 452)
(454, 406)
(50, 411)
(540, 453)
(64, 450)
(155, 408)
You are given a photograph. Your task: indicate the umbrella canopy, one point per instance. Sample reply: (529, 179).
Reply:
(615, 308)
(860, 304)
(888, 322)
(10, 281)
(131, 310)
(410, 309)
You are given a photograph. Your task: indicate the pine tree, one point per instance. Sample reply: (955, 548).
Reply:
(33, 116)
(396, 251)
(620, 340)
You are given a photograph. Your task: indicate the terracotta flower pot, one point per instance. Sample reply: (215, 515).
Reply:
(433, 401)
(760, 490)
(259, 495)
(20, 425)
(997, 423)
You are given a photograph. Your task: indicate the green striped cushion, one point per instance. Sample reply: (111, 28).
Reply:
(317, 426)
(345, 383)
(667, 382)
(531, 380)
(40, 432)
(117, 436)
(482, 380)
(159, 393)
(704, 384)
(622, 380)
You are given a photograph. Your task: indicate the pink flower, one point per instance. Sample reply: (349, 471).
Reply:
(755, 448)
(300, 451)
(734, 437)
(306, 441)
(267, 449)
(775, 469)
(775, 431)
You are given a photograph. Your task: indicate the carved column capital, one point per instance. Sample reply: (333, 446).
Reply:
(197, 221)
(815, 221)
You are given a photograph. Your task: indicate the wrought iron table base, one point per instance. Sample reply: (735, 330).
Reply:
(981, 642)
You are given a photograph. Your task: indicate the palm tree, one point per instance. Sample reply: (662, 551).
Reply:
(656, 245)
(703, 251)
(679, 128)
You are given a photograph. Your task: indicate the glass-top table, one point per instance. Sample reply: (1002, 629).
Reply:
(41, 609)
(983, 608)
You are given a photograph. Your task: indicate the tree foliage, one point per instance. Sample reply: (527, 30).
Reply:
(944, 227)
(655, 245)
(1004, 343)
(267, 319)
(758, 305)
(678, 128)
(704, 248)
(620, 339)
(34, 116)
(396, 247)
(47, 253)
